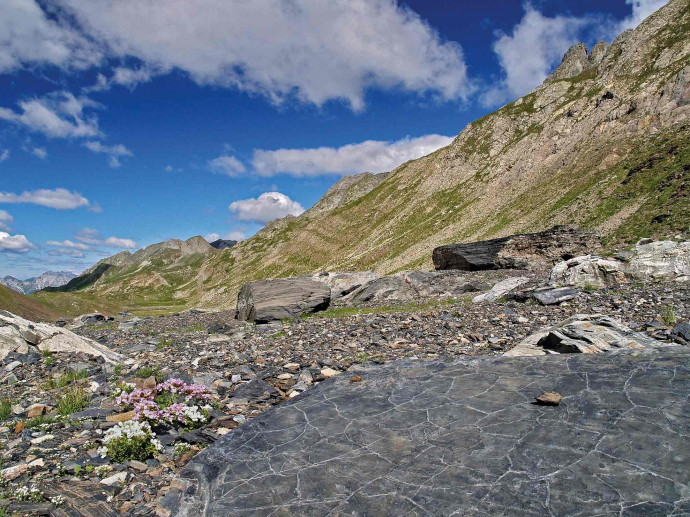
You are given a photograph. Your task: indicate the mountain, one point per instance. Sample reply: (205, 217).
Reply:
(222, 244)
(603, 143)
(31, 285)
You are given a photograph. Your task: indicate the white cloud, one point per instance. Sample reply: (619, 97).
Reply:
(14, 243)
(5, 155)
(94, 237)
(40, 152)
(59, 198)
(236, 236)
(169, 168)
(115, 150)
(6, 220)
(267, 207)
(369, 156)
(227, 165)
(96, 208)
(57, 115)
(528, 55)
(114, 162)
(66, 252)
(318, 51)
(132, 76)
(210, 237)
(640, 10)
(29, 37)
(538, 43)
(68, 244)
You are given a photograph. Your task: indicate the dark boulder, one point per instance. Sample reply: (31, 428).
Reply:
(523, 251)
(263, 301)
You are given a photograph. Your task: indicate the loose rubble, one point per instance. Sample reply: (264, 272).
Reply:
(54, 443)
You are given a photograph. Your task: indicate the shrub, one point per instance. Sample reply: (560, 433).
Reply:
(668, 315)
(130, 440)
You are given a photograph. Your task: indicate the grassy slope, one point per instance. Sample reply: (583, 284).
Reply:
(25, 306)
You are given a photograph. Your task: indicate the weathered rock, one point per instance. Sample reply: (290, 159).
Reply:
(501, 289)
(283, 298)
(461, 437)
(549, 398)
(50, 338)
(682, 330)
(584, 333)
(344, 283)
(550, 296)
(662, 260)
(523, 251)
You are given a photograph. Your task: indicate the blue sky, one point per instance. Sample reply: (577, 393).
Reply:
(124, 123)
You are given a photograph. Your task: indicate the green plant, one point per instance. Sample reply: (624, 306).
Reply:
(117, 370)
(46, 353)
(5, 409)
(278, 335)
(38, 421)
(590, 288)
(66, 379)
(72, 400)
(130, 440)
(48, 361)
(148, 371)
(668, 315)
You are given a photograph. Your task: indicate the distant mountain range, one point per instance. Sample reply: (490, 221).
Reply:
(31, 285)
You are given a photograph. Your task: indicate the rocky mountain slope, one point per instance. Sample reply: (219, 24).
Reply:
(602, 144)
(25, 306)
(33, 284)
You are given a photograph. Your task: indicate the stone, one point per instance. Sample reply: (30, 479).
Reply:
(501, 289)
(41, 439)
(549, 398)
(11, 473)
(584, 333)
(649, 261)
(50, 338)
(120, 417)
(682, 330)
(461, 437)
(522, 251)
(329, 372)
(264, 301)
(37, 410)
(551, 296)
(344, 283)
(115, 479)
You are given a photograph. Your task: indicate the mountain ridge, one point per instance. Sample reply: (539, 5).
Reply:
(37, 283)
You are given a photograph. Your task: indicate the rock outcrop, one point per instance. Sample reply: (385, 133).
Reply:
(501, 289)
(18, 335)
(662, 260)
(263, 301)
(523, 251)
(586, 334)
(461, 437)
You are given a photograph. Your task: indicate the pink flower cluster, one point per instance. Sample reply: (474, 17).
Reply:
(171, 407)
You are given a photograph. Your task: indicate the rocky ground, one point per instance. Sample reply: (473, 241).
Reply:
(50, 441)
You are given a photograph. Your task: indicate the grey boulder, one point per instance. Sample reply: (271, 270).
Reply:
(522, 251)
(264, 301)
(586, 334)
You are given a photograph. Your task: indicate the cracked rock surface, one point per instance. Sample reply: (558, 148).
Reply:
(463, 437)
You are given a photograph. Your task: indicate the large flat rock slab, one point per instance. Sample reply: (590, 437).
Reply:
(463, 437)
(522, 251)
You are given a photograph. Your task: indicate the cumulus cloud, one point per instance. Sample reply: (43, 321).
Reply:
(267, 207)
(235, 236)
(5, 155)
(6, 220)
(371, 156)
(40, 152)
(57, 115)
(115, 150)
(641, 9)
(537, 44)
(94, 237)
(14, 243)
(210, 237)
(59, 198)
(318, 51)
(29, 37)
(68, 244)
(227, 165)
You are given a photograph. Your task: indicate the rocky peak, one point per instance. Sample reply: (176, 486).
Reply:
(574, 62)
